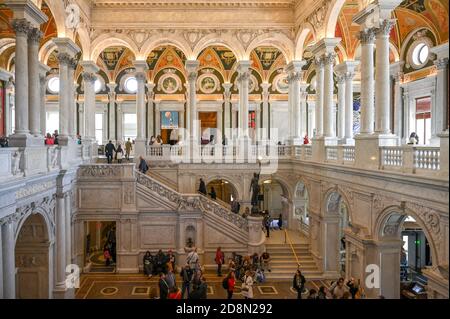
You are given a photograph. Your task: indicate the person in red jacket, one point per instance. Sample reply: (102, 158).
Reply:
(220, 260)
(231, 283)
(175, 293)
(306, 139)
(49, 140)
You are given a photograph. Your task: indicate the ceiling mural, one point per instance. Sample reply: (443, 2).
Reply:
(267, 56)
(226, 57)
(110, 57)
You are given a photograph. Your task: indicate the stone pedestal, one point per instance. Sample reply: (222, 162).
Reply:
(256, 237)
(444, 154)
(318, 147)
(367, 149)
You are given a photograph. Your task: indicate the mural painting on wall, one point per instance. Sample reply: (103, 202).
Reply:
(169, 85)
(208, 85)
(169, 120)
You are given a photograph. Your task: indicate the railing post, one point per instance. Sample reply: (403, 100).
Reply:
(408, 159)
(340, 154)
(444, 154)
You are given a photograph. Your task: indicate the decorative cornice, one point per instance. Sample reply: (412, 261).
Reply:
(198, 4)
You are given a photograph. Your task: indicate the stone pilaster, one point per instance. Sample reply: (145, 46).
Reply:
(243, 81)
(191, 114)
(227, 110)
(341, 107)
(8, 259)
(265, 95)
(396, 70)
(150, 110)
(43, 69)
(318, 108)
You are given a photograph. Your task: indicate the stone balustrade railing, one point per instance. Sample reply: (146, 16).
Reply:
(188, 201)
(16, 162)
(411, 159)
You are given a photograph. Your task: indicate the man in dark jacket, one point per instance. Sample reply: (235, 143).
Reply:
(143, 167)
(202, 188)
(299, 283)
(109, 151)
(186, 276)
(163, 287)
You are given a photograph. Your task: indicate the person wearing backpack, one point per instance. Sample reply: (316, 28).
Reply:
(228, 284)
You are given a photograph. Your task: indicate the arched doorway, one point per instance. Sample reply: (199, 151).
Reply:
(276, 201)
(301, 206)
(404, 250)
(337, 219)
(225, 190)
(32, 254)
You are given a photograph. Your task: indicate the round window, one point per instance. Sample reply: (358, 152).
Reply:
(97, 86)
(420, 54)
(131, 85)
(53, 85)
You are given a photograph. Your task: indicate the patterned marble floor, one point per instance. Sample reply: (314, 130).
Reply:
(136, 286)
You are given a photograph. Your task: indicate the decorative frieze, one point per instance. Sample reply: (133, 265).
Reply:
(34, 189)
(99, 171)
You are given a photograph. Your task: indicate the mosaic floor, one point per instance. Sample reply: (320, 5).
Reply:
(136, 286)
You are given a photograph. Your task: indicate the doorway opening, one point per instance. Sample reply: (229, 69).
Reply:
(100, 246)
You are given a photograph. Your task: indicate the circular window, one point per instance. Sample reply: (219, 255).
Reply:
(420, 54)
(97, 86)
(53, 85)
(131, 85)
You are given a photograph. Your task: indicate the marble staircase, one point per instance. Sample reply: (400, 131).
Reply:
(284, 265)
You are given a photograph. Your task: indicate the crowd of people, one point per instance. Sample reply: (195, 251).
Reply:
(118, 153)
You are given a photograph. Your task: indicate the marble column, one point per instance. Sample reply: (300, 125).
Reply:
(120, 135)
(1, 265)
(192, 124)
(265, 111)
(89, 77)
(382, 87)
(243, 79)
(396, 70)
(68, 226)
(318, 107)
(21, 27)
(67, 51)
(441, 118)
(112, 111)
(34, 107)
(227, 110)
(81, 119)
(150, 110)
(72, 99)
(303, 110)
(60, 283)
(141, 77)
(294, 71)
(341, 107)
(158, 119)
(8, 255)
(43, 69)
(328, 87)
(367, 82)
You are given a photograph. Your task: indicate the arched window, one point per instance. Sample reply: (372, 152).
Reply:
(420, 54)
(97, 86)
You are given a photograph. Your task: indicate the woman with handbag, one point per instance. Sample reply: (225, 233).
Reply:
(247, 286)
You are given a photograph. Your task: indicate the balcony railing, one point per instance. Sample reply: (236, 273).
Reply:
(406, 158)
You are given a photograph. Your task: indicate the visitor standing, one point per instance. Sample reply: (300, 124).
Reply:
(202, 187)
(143, 167)
(163, 286)
(247, 285)
(128, 148)
(119, 153)
(109, 151)
(148, 264)
(228, 284)
(299, 283)
(220, 260)
(213, 193)
(186, 277)
(280, 222)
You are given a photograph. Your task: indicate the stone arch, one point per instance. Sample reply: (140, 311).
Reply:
(233, 183)
(277, 40)
(331, 18)
(154, 42)
(59, 14)
(106, 40)
(406, 42)
(301, 38)
(49, 222)
(342, 196)
(6, 43)
(85, 42)
(394, 51)
(214, 40)
(33, 255)
(46, 50)
(389, 226)
(285, 186)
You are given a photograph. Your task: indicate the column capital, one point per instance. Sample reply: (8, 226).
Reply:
(35, 36)
(66, 45)
(329, 58)
(441, 64)
(385, 27)
(27, 10)
(111, 86)
(64, 58)
(192, 68)
(89, 67)
(325, 45)
(141, 76)
(340, 78)
(140, 66)
(227, 86)
(266, 86)
(150, 86)
(346, 67)
(396, 68)
(21, 26)
(89, 77)
(367, 36)
(441, 50)
(43, 69)
(243, 65)
(294, 66)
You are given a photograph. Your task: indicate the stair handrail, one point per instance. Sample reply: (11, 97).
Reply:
(192, 201)
(286, 237)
